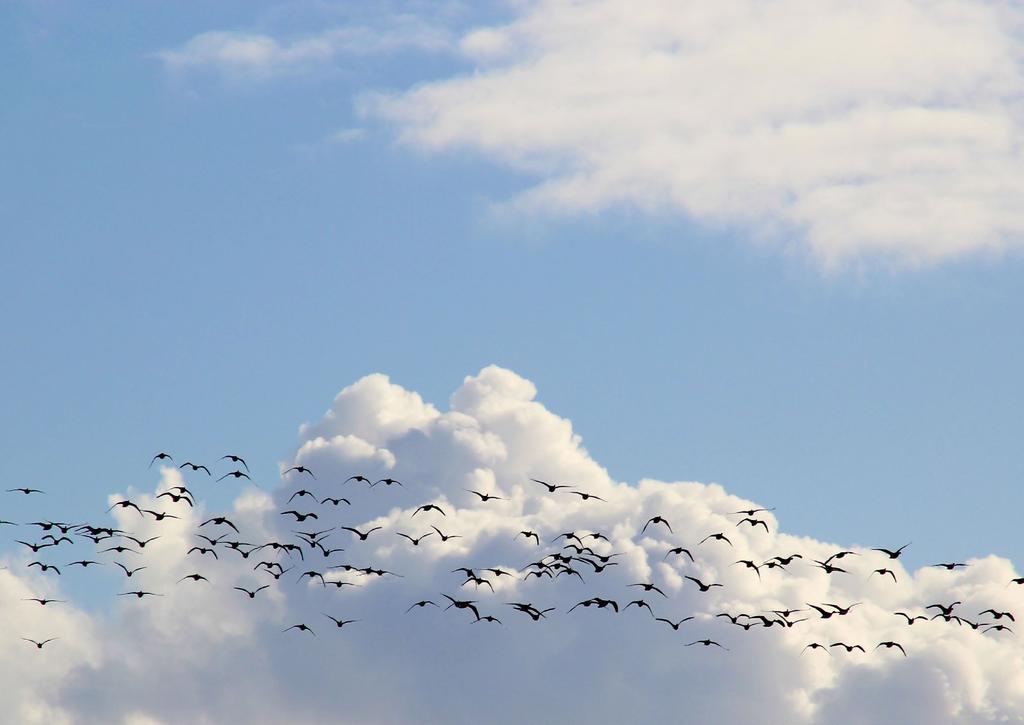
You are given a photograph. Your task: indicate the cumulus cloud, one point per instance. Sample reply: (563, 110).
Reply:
(886, 128)
(201, 654)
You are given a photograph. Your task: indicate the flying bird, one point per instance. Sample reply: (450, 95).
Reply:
(39, 645)
(298, 469)
(703, 587)
(252, 593)
(656, 520)
(195, 467)
(484, 497)
(160, 457)
(360, 534)
(890, 645)
(236, 460)
(550, 486)
(893, 554)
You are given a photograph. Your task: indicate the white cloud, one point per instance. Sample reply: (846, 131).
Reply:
(241, 55)
(885, 128)
(202, 654)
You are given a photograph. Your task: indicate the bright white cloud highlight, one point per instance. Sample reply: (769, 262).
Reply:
(885, 128)
(203, 654)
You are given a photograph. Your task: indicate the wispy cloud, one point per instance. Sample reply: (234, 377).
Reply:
(888, 128)
(241, 55)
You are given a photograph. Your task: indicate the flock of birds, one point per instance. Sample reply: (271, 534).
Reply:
(569, 554)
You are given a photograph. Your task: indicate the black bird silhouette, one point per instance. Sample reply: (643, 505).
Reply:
(839, 555)
(848, 647)
(360, 479)
(422, 603)
(35, 547)
(485, 497)
(883, 572)
(998, 615)
(815, 645)
(43, 601)
(825, 613)
(890, 645)
(950, 566)
(678, 550)
(160, 457)
(487, 618)
(301, 493)
(527, 608)
(252, 594)
(462, 604)
(753, 522)
(639, 603)
(718, 537)
(549, 486)
(445, 537)
(203, 551)
(177, 497)
(415, 542)
(587, 496)
(194, 577)
(220, 521)
(125, 504)
(128, 572)
(707, 643)
(893, 554)
(301, 627)
(85, 563)
(120, 550)
(829, 569)
(703, 587)
(44, 567)
(910, 620)
(236, 474)
(340, 622)
(300, 517)
(139, 594)
(428, 507)
(39, 645)
(529, 535)
(141, 542)
(360, 534)
(387, 482)
(334, 501)
(750, 512)
(478, 581)
(236, 459)
(195, 467)
(648, 587)
(312, 575)
(997, 628)
(656, 520)
(670, 623)
(750, 565)
(159, 515)
(841, 611)
(297, 469)
(945, 609)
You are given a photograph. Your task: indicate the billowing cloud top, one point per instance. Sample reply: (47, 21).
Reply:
(206, 652)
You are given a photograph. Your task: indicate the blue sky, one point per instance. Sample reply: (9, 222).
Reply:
(777, 250)
(190, 265)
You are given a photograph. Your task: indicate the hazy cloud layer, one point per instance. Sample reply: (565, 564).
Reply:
(205, 653)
